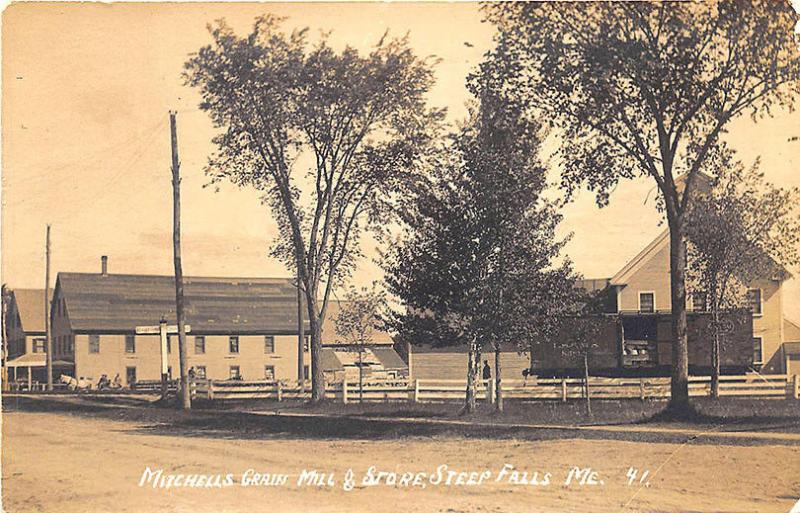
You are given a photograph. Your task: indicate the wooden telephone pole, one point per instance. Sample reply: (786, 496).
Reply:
(48, 335)
(186, 397)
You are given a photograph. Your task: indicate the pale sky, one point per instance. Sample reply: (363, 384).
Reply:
(85, 139)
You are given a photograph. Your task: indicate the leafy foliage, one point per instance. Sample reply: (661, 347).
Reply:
(743, 229)
(647, 88)
(361, 315)
(360, 121)
(480, 250)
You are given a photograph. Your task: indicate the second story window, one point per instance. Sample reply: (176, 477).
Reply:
(39, 345)
(754, 301)
(647, 302)
(169, 343)
(94, 343)
(199, 345)
(233, 344)
(130, 344)
(269, 344)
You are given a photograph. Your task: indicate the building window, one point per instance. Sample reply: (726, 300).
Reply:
(758, 351)
(130, 344)
(169, 372)
(647, 302)
(39, 345)
(699, 301)
(754, 301)
(269, 344)
(200, 372)
(269, 372)
(234, 372)
(94, 343)
(305, 372)
(130, 375)
(307, 344)
(70, 344)
(199, 345)
(233, 344)
(169, 343)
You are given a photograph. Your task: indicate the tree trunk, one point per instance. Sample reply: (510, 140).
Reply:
(317, 375)
(715, 347)
(497, 383)
(586, 383)
(361, 374)
(472, 378)
(679, 386)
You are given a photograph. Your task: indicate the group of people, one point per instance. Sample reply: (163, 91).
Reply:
(105, 383)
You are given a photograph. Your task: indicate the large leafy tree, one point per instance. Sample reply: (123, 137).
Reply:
(740, 230)
(328, 136)
(480, 236)
(647, 89)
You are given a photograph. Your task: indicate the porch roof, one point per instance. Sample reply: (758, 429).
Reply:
(36, 360)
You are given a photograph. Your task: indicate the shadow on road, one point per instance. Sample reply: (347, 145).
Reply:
(149, 419)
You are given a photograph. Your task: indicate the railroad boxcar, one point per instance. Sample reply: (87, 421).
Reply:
(639, 344)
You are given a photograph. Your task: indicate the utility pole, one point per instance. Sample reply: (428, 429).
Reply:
(186, 397)
(48, 335)
(300, 338)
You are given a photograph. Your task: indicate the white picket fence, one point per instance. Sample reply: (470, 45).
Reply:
(431, 390)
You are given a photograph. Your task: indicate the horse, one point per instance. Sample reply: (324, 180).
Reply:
(74, 384)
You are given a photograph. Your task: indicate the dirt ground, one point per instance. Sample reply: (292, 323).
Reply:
(79, 459)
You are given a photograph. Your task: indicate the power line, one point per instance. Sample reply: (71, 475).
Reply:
(101, 189)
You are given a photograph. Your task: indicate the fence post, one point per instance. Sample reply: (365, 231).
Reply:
(416, 390)
(641, 389)
(490, 392)
(563, 390)
(210, 390)
(344, 390)
(279, 390)
(796, 386)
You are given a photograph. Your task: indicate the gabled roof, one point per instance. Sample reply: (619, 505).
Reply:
(389, 358)
(329, 336)
(624, 274)
(120, 302)
(30, 305)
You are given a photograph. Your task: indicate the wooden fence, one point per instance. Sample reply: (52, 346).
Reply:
(430, 390)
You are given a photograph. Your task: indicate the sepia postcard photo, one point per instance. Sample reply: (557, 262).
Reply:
(400, 257)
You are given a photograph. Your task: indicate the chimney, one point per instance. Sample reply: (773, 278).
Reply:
(104, 265)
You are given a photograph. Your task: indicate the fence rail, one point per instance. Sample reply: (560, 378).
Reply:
(433, 390)
(440, 390)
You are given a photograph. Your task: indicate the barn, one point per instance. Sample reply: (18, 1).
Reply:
(240, 327)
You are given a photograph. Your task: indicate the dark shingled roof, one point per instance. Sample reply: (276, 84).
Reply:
(120, 302)
(389, 358)
(329, 360)
(331, 338)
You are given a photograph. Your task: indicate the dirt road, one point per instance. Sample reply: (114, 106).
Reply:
(71, 463)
